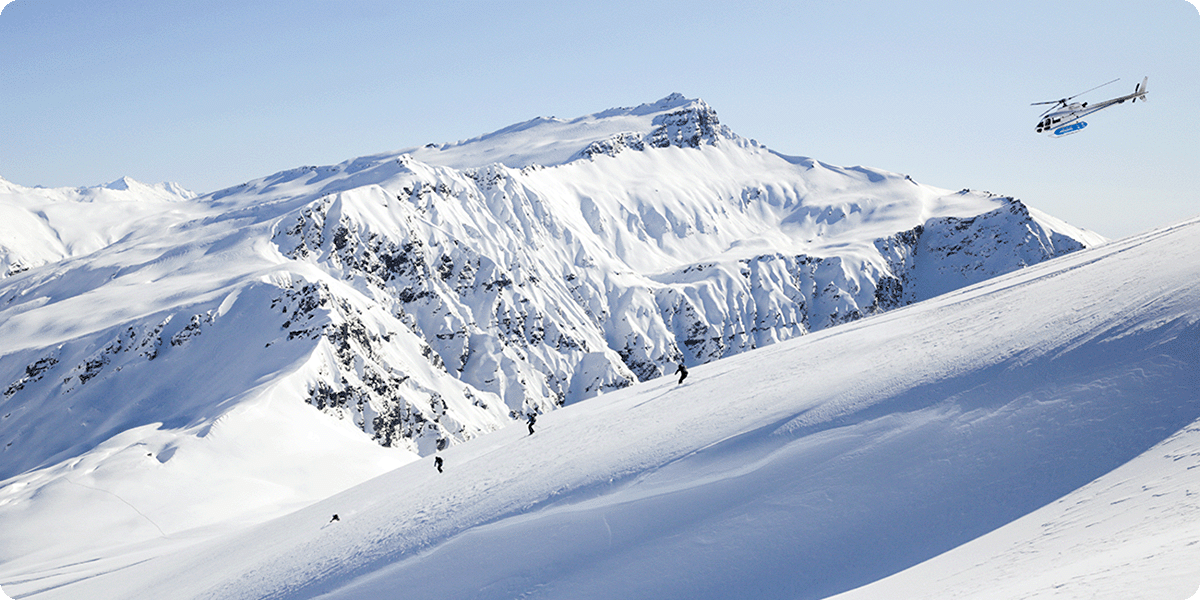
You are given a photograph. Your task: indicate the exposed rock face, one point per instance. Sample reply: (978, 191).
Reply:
(688, 127)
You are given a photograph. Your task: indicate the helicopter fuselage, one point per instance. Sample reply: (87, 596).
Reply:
(1067, 118)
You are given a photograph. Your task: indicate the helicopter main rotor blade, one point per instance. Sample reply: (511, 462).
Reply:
(1064, 100)
(1095, 88)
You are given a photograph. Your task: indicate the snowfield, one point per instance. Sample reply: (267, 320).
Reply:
(896, 391)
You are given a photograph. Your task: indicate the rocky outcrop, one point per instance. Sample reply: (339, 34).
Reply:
(690, 126)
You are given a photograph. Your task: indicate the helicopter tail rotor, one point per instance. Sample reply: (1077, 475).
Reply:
(1140, 90)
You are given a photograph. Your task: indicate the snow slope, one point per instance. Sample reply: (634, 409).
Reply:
(1037, 431)
(1130, 533)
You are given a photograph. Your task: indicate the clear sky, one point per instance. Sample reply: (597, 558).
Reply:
(213, 93)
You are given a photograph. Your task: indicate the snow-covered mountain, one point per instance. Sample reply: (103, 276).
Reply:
(1036, 435)
(344, 320)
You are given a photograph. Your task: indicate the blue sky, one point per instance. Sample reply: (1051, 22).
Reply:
(211, 94)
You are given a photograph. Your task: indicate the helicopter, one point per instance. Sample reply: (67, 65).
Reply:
(1066, 117)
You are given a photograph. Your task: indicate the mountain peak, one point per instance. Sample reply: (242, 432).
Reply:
(168, 190)
(122, 184)
(688, 126)
(673, 101)
(674, 120)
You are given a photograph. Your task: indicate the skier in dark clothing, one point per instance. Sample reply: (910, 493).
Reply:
(437, 462)
(532, 420)
(682, 370)
(335, 518)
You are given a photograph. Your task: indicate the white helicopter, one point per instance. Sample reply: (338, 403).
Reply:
(1065, 119)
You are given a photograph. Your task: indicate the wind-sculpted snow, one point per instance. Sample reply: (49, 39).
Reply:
(421, 299)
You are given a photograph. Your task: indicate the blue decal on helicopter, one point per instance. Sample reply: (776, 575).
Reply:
(1069, 129)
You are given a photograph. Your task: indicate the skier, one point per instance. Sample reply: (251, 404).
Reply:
(335, 518)
(437, 462)
(682, 370)
(532, 420)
